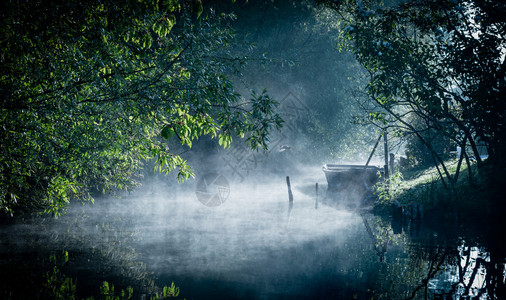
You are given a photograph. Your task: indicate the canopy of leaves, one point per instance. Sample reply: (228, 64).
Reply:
(291, 46)
(92, 89)
(434, 65)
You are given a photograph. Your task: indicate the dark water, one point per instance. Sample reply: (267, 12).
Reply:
(249, 248)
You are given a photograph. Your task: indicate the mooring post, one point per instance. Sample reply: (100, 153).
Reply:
(290, 195)
(316, 201)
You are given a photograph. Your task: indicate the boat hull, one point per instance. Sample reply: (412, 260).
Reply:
(350, 184)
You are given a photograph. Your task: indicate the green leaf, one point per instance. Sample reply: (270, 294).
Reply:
(197, 8)
(167, 132)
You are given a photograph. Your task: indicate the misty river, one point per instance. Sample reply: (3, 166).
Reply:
(248, 247)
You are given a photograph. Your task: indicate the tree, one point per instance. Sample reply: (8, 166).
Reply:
(441, 62)
(91, 90)
(291, 46)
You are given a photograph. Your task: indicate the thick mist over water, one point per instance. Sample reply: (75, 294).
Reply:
(248, 247)
(248, 243)
(253, 217)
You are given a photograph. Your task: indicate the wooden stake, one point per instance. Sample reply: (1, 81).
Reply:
(290, 195)
(316, 201)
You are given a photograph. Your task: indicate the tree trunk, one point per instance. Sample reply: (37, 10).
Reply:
(457, 172)
(435, 156)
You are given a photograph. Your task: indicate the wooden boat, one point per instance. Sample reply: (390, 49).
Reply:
(350, 183)
(341, 176)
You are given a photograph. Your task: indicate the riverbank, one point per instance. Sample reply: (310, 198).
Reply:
(419, 193)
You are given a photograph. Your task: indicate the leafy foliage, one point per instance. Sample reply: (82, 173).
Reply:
(290, 46)
(92, 90)
(433, 66)
(58, 285)
(107, 292)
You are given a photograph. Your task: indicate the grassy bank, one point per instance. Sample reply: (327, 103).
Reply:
(467, 199)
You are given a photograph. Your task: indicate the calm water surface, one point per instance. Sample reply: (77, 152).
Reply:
(250, 248)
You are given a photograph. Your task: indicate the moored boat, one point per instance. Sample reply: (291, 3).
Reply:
(340, 176)
(351, 182)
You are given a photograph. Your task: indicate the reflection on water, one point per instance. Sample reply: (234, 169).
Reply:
(472, 273)
(247, 248)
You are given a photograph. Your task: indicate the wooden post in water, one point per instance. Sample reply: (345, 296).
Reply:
(316, 201)
(290, 196)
